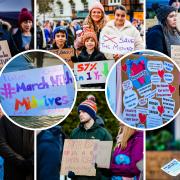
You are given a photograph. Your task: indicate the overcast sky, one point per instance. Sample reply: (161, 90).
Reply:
(14, 5)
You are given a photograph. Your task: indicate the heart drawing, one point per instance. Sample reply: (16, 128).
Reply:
(124, 67)
(171, 89)
(160, 109)
(142, 118)
(161, 73)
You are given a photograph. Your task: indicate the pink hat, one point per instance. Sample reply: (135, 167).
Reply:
(24, 15)
(97, 5)
(90, 34)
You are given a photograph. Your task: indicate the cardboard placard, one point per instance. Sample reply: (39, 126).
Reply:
(178, 21)
(48, 93)
(78, 156)
(175, 53)
(151, 22)
(66, 54)
(103, 154)
(116, 45)
(92, 72)
(153, 87)
(5, 54)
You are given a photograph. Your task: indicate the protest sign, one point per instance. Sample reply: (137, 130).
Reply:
(92, 72)
(175, 53)
(151, 22)
(78, 157)
(37, 92)
(103, 154)
(5, 54)
(178, 21)
(66, 54)
(148, 83)
(116, 45)
(172, 168)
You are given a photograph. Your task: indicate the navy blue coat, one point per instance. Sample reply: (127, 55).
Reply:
(155, 39)
(49, 153)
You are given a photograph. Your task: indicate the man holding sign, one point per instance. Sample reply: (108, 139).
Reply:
(89, 129)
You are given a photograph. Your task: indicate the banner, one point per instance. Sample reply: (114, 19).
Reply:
(37, 92)
(92, 72)
(116, 45)
(5, 54)
(66, 54)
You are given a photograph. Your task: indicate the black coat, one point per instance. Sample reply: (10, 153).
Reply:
(16, 147)
(17, 37)
(155, 39)
(6, 35)
(85, 57)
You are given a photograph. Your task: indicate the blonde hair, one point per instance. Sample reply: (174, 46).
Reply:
(126, 134)
(96, 27)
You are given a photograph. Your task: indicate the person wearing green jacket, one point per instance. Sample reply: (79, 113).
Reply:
(89, 129)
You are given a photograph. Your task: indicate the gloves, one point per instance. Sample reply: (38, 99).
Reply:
(71, 174)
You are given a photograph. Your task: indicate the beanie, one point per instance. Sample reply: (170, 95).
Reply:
(24, 15)
(89, 106)
(90, 34)
(97, 5)
(163, 11)
(60, 29)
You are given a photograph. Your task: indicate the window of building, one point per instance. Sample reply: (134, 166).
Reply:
(61, 10)
(114, 2)
(86, 6)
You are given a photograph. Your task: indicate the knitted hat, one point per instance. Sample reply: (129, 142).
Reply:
(163, 11)
(90, 34)
(89, 106)
(171, 1)
(24, 15)
(97, 5)
(60, 29)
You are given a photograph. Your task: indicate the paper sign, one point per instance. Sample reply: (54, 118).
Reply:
(34, 92)
(154, 66)
(154, 121)
(155, 79)
(78, 157)
(168, 66)
(163, 90)
(103, 154)
(172, 168)
(168, 77)
(175, 53)
(92, 72)
(153, 106)
(5, 54)
(130, 116)
(145, 90)
(142, 102)
(150, 94)
(168, 103)
(116, 45)
(130, 99)
(127, 85)
(66, 54)
(167, 115)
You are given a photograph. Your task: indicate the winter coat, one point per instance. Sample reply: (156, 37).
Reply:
(95, 132)
(155, 39)
(17, 37)
(49, 153)
(6, 35)
(16, 147)
(85, 57)
(127, 30)
(124, 161)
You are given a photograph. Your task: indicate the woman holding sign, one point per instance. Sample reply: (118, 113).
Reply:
(24, 38)
(128, 152)
(121, 29)
(162, 36)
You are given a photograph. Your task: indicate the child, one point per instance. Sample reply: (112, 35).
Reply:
(59, 38)
(89, 51)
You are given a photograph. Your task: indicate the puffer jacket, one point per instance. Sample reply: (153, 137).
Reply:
(127, 30)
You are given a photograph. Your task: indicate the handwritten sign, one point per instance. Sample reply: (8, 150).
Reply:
(116, 45)
(5, 54)
(37, 91)
(172, 168)
(66, 54)
(92, 72)
(78, 156)
(175, 53)
(103, 154)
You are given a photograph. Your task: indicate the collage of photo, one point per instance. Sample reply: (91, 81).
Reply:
(89, 90)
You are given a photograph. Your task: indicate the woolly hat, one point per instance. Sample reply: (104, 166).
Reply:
(171, 1)
(163, 11)
(89, 106)
(60, 29)
(90, 34)
(97, 5)
(24, 15)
